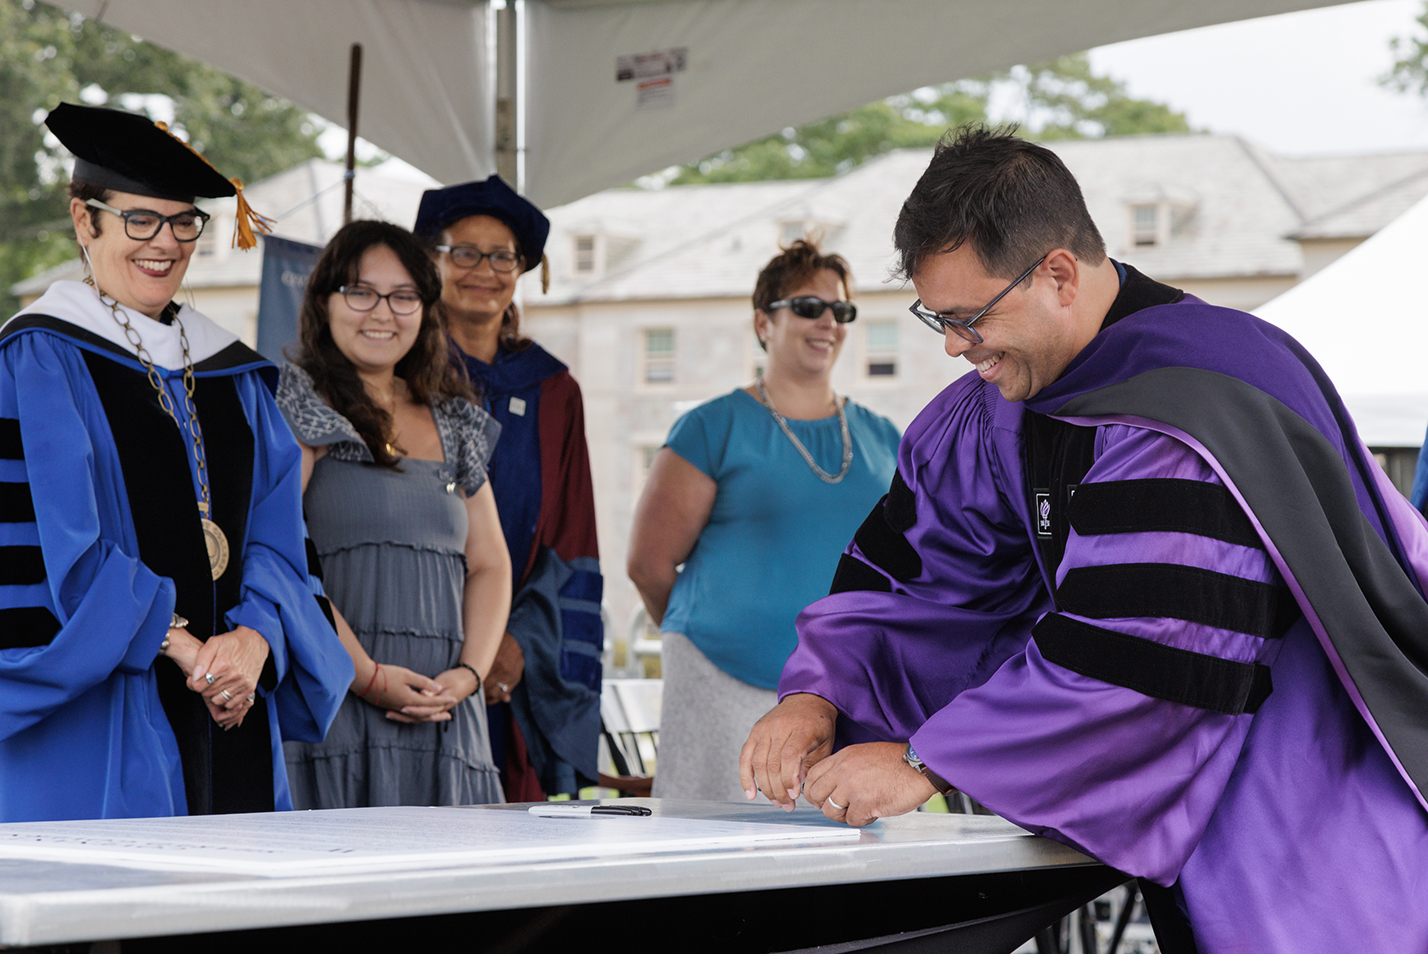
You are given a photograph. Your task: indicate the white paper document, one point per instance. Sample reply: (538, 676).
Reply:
(289, 843)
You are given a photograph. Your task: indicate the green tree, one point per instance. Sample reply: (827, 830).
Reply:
(48, 55)
(1063, 99)
(1410, 68)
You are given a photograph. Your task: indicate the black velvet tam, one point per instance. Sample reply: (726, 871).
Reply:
(131, 153)
(441, 207)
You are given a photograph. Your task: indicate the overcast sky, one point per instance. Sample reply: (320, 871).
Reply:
(1300, 83)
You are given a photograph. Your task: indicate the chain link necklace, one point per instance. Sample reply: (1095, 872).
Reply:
(214, 539)
(819, 472)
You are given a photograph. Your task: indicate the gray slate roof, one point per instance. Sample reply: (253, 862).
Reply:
(1246, 205)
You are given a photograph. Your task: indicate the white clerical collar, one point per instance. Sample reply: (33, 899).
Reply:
(79, 304)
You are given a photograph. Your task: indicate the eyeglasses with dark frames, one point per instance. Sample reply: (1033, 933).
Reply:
(141, 225)
(962, 327)
(811, 307)
(403, 301)
(469, 256)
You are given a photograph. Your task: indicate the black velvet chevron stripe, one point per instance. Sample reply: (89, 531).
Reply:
(854, 574)
(27, 626)
(15, 503)
(900, 506)
(1161, 672)
(885, 547)
(1164, 504)
(1178, 592)
(314, 562)
(324, 604)
(21, 566)
(10, 446)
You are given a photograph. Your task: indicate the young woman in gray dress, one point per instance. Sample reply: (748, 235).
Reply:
(405, 528)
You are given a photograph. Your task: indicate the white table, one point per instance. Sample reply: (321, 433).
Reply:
(883, 883)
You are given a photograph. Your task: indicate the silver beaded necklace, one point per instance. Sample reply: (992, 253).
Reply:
(822, 474)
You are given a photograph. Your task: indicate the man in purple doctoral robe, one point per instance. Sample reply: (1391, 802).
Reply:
(1138, 586)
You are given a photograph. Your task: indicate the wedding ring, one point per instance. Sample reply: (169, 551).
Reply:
(841, 808)
(503, 687)
(209, 676)
(227, 696)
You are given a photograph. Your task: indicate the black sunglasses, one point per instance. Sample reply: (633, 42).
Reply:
(811, 306)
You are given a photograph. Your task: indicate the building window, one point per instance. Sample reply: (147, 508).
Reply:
(585, 255)
(1145, 225)
(659, 355)
(881, 349)
(208, 241)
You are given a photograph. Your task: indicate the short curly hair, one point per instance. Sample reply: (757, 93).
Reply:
(1010, 199)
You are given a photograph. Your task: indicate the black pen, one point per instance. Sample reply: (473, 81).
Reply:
(582, 811)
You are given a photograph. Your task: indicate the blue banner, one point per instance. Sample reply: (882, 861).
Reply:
(286, 265)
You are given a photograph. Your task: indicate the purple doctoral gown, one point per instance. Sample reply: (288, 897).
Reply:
(1289, 819)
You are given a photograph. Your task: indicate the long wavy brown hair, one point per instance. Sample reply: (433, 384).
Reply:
(430, 373)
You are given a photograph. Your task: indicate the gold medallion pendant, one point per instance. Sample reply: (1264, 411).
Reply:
(217, 545)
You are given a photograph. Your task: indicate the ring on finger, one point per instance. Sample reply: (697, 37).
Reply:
(227, 696)
(209, 677)
(251, 695)
(841, 808)
(503, 687)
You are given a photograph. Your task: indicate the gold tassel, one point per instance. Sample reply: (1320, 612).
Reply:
(247, 220)
(544, 274)
(243, 236)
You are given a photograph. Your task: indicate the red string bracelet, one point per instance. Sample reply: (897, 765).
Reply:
(372, 682)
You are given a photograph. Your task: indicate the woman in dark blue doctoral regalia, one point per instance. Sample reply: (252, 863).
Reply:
(150, 506)
(544, 687)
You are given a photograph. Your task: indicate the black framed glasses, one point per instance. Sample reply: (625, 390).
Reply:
(962, 327)
(141, 225)
(811, 306)
(403, 301)
(469, 256)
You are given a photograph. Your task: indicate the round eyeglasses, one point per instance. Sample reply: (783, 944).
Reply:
(403, 301)
(469, 256)
(141, 225)
(811, 306)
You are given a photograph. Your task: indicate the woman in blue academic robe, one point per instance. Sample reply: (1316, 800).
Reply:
(158, 635)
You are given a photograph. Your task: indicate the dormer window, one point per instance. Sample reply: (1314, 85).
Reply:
(1145, 225)
(585, 255)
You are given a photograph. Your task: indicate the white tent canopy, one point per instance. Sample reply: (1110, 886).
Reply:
(741, 68)
(1365, 319)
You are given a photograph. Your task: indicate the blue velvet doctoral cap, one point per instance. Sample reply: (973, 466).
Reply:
(127, 152)
(441, 207)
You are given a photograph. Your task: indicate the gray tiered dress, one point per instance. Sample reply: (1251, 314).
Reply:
(392, 546)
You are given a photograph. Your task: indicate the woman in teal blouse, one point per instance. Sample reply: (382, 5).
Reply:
(756, 493)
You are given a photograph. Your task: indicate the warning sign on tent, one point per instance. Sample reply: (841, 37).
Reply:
(655, 93)
(643, 66)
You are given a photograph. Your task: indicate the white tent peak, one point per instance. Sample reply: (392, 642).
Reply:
(1365, 319)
